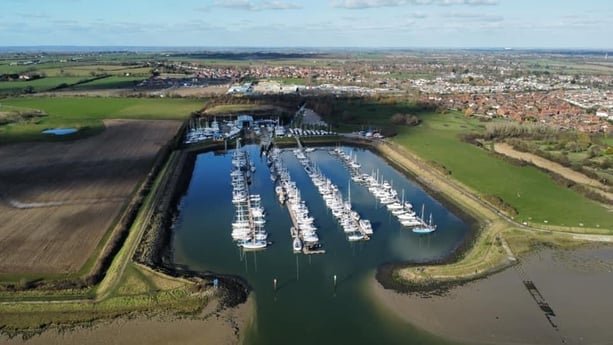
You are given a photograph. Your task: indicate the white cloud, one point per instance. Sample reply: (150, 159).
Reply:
(361, 4)
(474, 17)
(250, 5)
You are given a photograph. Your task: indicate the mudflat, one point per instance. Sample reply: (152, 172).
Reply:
(213, 327)
(511, 307)
(58, 199)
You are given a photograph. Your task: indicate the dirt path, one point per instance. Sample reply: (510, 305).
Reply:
(541, 162)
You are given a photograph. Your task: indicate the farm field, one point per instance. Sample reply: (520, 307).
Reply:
(531, 192)
(87, 114)
(37, 85)
(87, 70)
(59, 199)
(113, 82)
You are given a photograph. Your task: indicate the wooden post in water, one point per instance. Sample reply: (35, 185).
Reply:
(274, 283)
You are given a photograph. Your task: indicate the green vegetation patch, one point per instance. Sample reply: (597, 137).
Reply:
(37, 85)
(354, 114)
(535, 196)
(237, 108)
(112, 82)
(86, 114)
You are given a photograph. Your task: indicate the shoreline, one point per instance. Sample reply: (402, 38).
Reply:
(503, 305)
(215, 324)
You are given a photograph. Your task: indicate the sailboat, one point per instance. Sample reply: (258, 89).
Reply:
(425, 228)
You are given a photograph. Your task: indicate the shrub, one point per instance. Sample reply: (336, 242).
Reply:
(501, 204)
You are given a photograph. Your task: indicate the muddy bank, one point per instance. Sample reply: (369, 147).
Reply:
(155, 248)
(552, 297)
(212, 326)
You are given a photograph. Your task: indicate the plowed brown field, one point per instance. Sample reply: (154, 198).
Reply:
(58, 199)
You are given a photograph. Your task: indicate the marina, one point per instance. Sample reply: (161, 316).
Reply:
(331, 307)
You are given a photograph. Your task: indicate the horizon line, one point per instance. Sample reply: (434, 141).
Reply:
(57, 47)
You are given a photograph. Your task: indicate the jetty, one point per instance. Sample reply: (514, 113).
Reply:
(386, 194)
(248, 225)
(355, 228)
(303, 231)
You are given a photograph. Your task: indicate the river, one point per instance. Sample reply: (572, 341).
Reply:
(307, 306)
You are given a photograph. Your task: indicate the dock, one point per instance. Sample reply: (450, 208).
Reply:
(295, 231)
(347, 218)
(298, 142)
(313, 247)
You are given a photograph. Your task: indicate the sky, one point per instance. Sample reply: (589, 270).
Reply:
(581, 24)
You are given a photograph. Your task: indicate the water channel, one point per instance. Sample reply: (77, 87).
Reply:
(306, 307)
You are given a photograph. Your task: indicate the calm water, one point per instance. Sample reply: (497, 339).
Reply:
(60, 131)
(307, 308)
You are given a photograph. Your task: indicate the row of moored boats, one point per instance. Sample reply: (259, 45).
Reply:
(352, 224)
(387, 195)
(248, 224)
(303, 232)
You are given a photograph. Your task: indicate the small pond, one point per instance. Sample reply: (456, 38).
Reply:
(60, 131)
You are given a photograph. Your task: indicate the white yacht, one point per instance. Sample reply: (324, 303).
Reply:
(297, 245)
(365, 226)
(253, 244)
(355, 236)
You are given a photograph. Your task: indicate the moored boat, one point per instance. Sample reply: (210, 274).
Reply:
(365, 226)
(297, 245)
(253, 244)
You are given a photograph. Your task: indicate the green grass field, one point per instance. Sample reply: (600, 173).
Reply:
(533, 193)
(87, 114)
(109, 83)
(86, 71)
(38, 85)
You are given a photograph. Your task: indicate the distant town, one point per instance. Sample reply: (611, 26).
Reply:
(566, 90)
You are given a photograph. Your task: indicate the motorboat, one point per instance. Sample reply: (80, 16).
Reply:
(365, 226)
(355, 236)
(253, 244)
(297, 245)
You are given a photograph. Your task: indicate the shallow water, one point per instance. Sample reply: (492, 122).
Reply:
(60, 131)
(307, 306)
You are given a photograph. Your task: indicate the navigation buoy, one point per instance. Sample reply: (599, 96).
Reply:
(274, 283)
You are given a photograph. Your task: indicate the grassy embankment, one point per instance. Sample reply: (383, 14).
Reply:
(538, 200)
(466, 174)
(127, 287)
